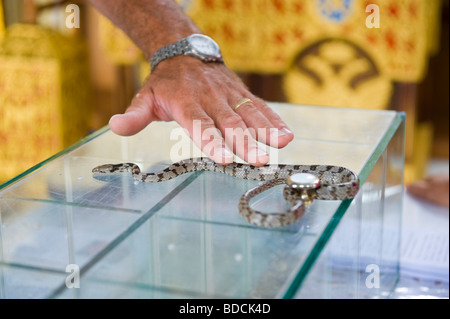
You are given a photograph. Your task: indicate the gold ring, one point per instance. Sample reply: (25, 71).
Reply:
(242, 102)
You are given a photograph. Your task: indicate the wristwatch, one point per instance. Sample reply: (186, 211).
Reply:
(196, 45)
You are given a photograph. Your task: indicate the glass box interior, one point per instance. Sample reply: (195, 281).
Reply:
(185, 238)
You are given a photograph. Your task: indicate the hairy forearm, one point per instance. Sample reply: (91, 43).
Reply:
(151, 24)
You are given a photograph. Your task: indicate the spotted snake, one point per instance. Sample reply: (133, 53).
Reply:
(336, 183)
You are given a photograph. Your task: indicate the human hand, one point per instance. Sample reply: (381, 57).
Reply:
(433, 189)
(185, 89)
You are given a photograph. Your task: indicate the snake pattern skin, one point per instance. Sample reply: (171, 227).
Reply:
(337, 183)
(270, 219)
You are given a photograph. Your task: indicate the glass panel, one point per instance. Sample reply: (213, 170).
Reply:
(186, 238)
(361, 259)
(28, 283)
(51, 236)
(177, 258)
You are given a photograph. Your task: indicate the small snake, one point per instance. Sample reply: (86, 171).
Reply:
(336, 183)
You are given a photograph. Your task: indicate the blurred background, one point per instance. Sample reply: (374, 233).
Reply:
(58, 81)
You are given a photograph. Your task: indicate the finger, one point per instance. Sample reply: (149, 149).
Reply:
(271, 130)
(137, 116)
(238, 136)
(418, 188)
(421, 191)
(249, 113)
(433, 189)
(203, 132)
(283, 132)
(438, 180)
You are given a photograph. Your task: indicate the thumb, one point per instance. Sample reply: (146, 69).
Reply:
(137, 116)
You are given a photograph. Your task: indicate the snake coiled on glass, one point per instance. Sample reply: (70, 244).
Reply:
(336, 183)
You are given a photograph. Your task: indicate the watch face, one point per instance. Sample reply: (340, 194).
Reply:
(204, 45)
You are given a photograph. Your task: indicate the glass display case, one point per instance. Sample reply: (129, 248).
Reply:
(66, 234)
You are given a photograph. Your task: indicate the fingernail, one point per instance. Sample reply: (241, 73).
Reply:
(114, 116)
(131, 114)
(277, 134)
(286, 131)
(224, 155)
(227, 154)
(257, 155)
(124, 115)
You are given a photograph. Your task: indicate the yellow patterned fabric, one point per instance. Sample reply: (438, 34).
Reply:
(44, 96)
(324, 49)
(2, 21)
(266, 36)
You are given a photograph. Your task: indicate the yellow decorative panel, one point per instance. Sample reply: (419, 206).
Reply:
(44, 96)
(2, 21)
(337, 73)
(266, 36)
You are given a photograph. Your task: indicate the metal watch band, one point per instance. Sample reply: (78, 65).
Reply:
(169, 51)
(193, 46)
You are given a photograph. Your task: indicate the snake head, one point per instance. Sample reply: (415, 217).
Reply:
(115, 168)
(103, 169)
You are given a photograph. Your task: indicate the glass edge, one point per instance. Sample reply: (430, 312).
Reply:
(336, 218)
(369, 165)
(65, 151)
